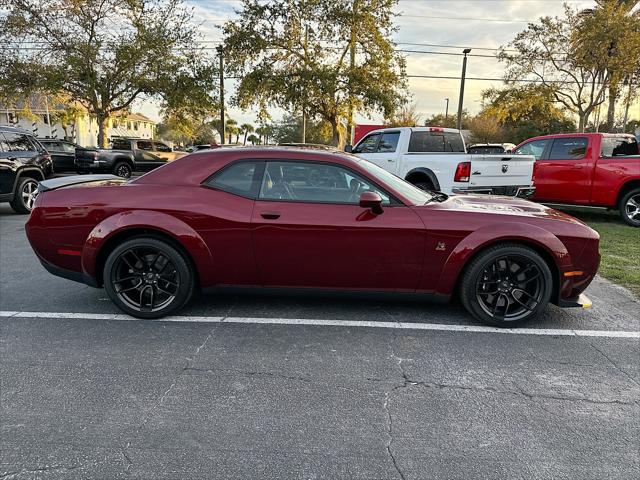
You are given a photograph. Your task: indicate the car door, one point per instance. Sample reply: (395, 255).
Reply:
(146, 157)
(309, 231)
(368, 146)
(63, 155)
(562, 174)
(385, 153)
(8, 167)
(19, 153)
(164, 151)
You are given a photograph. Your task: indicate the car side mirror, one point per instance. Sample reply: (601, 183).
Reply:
(372, 201)
(348, 148)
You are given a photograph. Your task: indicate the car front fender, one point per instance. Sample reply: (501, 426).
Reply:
(152, 221)
(500, 233)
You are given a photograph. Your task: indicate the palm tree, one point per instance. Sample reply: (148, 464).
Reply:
(246, 128)
(232, 128)
(253, 139)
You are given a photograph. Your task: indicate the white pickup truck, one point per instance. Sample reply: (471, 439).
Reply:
(435, 158)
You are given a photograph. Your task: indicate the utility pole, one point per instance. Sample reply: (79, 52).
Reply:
(222, 119)
(446, 110)
(352, 65)
(462, 79)
(304, 93)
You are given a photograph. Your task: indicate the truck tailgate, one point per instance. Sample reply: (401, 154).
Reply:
(501, 170)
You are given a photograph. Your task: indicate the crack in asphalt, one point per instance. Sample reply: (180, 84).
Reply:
(614, 364)
(190, 359)
(46, 468)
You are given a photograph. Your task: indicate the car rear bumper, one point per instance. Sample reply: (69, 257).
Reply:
(69, 274)
(509, 190)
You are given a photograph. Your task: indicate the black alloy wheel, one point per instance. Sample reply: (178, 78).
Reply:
(148, 278)
(123, 169)
(507, 285)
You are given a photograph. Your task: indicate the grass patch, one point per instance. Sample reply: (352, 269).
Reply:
(619, 245)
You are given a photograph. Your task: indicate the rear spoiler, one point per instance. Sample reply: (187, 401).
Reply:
(54, 183)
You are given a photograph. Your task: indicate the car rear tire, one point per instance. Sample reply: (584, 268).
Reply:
(25, 195)
(148, 278)
(506, 285)
(123, 169)
(630, 208)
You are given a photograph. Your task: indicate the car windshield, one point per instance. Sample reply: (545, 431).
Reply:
(412, 193)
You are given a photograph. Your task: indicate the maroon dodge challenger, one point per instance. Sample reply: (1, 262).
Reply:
(302, 218)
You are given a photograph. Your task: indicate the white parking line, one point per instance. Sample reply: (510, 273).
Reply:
(334, 323)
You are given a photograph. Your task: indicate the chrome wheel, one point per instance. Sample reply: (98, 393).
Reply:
(632, 208)
(29, 193)
(510, 288)
(145, 279)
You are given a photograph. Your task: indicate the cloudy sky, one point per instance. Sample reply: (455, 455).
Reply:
(428, 26)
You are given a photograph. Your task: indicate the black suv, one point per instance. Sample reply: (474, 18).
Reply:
(23, 163)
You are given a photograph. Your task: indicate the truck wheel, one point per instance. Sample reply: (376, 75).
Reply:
(122, 169)
(630, 208)
(428, 186)
(25, 195)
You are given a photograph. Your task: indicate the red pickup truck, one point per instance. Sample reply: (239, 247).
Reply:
(593, 169)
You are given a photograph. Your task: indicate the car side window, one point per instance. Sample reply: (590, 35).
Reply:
(535, 148)
(119, 144)
(618, 146)
(313, 182)
(238, 178)
(145, 145)
(4, 146)
(68, 147)
(368, 144)
(161, 147)
(389, 142)
(18, 142)
(572, 148)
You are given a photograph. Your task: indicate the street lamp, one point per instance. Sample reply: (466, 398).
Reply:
(464, 73)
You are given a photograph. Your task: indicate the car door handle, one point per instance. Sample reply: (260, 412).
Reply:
(270, 215)
(391, 159)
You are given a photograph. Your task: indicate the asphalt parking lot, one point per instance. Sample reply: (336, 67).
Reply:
(288, 387)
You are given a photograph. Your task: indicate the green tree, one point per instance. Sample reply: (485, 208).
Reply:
(525, 111)
(253, 139)
(326, 57)
(547, 51)
(405, 116)
(486, 129)
(612, 28)
(449, 121)
(104, 54)
(289, 130)
(246, 129)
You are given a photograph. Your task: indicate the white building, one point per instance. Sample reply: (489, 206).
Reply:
(82, 129)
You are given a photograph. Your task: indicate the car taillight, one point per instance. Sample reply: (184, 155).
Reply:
(436, 129)
(463, 172)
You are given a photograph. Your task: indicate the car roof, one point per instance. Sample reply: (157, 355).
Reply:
(8, 128)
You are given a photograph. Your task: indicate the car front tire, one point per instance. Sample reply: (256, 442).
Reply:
(630, 208)
(25, 195)
(147, 277)
(506, 285)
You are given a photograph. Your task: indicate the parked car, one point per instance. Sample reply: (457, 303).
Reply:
(23, 163)
(434, 158)
(305, 218)
(204, 146)
(126, 156)
(63, 153)
(593, 169)
(490, 148)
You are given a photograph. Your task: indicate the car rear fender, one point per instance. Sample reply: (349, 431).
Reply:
(537, 237)
(149, 221)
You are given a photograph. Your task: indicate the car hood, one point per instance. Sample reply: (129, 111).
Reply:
(506, 206)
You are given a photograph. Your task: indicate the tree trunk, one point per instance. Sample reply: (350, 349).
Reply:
(335, 132)
(611, 112)
(103, 141)
(245, 138)
(582, 121)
